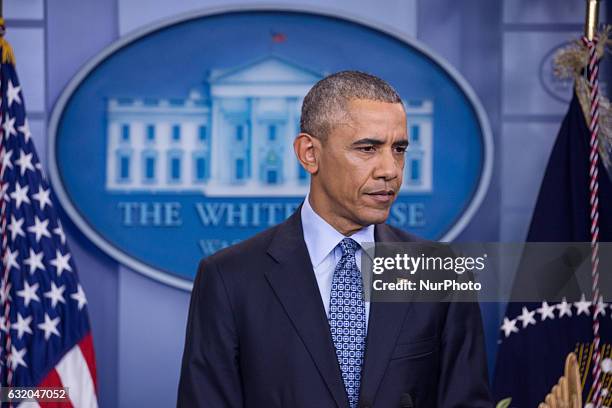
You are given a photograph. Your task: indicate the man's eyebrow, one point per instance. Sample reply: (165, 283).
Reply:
(368, 141)
(377, 142)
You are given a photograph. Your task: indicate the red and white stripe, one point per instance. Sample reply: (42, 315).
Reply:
(593, 77)
(76, 371)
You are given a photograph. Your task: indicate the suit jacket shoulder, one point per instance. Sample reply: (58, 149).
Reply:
(235, 257)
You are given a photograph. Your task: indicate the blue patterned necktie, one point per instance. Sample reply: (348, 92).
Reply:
(347, 319)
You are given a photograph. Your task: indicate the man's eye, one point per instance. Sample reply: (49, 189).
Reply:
(367, 149)
(401, 149)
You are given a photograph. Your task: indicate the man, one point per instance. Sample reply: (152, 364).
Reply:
(280, 320)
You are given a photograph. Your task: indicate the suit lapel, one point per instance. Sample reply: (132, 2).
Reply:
(385, 322)
(295, 285)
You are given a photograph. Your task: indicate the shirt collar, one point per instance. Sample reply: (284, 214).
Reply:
(321, 238)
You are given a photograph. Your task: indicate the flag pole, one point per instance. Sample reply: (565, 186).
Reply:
(590, 26)
(590, 41)
(6, 378)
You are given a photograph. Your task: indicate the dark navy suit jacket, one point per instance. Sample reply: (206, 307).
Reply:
(258, 336)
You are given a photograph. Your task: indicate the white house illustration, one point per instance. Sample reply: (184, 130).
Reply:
(418, 167)
(233, 136)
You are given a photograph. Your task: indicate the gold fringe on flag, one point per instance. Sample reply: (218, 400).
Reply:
(8, 56)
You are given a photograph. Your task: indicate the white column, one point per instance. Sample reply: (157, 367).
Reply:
(112, 142)
(289, 160)
(256, 140)
(137, 140)
(215, 144)
(159, 147)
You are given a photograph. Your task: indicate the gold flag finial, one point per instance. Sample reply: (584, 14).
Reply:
(7, 55)
(592, 19)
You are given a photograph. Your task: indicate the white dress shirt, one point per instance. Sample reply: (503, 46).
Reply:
(322, 242)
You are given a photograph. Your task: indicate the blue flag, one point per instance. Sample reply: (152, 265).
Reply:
(535, 338)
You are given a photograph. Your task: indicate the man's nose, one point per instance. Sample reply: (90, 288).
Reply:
(388, 166)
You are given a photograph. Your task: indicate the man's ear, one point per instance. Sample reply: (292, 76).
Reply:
(307, 148)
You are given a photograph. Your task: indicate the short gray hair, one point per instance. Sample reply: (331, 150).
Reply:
(327, 100)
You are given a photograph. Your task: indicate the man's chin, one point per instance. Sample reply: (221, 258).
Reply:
(375, 216)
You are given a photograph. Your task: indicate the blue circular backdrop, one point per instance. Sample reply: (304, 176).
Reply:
(170, 61)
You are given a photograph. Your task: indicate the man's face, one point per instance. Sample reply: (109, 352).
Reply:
(361, 164)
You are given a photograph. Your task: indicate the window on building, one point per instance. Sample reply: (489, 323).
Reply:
(202, 133)
(150, 133)
(415, 133)
(240, 169)
(124, 167)
(415, 170)
(176, 133)
(175, 168)
(272, 133)
(239, 133)
(149, 168)
(272, 176)
(200, 168)
(125, 133)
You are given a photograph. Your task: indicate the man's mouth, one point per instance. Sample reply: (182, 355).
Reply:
(382, 192)
(382, 196)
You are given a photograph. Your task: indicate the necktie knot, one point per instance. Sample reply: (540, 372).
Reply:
(349, 246)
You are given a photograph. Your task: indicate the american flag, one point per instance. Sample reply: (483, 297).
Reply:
(44, 328)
